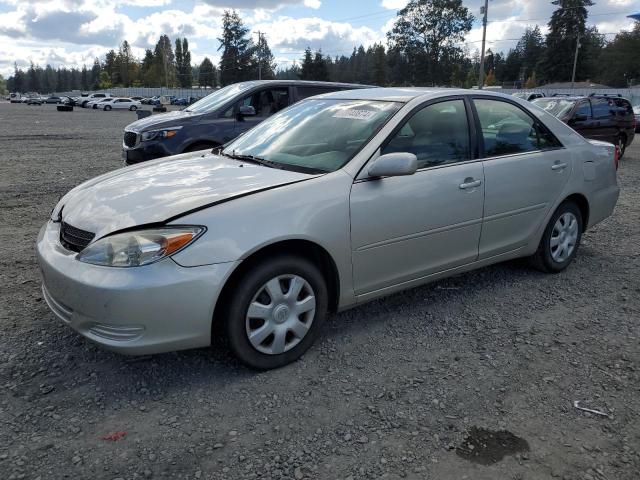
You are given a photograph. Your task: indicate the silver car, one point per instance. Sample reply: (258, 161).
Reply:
(335, 201)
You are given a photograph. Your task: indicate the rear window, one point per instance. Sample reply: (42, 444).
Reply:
(558, 107)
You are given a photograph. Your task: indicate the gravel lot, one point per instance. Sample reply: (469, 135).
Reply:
(391, 390)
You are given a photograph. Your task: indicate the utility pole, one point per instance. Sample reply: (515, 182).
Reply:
(485, 12)
(575, 62)
(260, 36)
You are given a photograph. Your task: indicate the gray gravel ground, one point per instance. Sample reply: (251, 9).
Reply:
(389, 391)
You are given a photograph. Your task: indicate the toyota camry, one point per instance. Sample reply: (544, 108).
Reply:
(332, 202)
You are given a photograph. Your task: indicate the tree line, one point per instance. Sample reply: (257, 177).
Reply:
(425, 47)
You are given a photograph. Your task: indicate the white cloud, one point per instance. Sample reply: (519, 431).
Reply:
(313, 4)
(394, 4)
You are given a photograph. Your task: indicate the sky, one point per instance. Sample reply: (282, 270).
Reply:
(74, 32)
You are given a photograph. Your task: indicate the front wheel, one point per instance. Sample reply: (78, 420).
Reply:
(107, 108)
(133, 108)
(276, 312)
(561, 239)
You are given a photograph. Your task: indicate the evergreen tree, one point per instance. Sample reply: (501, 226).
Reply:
(3, 86)
(33, 83)
(162, 72)
(84, 78)
(237, 61)
(379, 65)
(320, 70)
(94, 78)
(306, 71)
(265, 59)
(207, 72)
(110, 65)
(567, 25)
(531, 82)
(186, 78)
(620, 59)
(125, 63)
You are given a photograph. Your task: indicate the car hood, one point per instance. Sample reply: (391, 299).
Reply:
(167, 119)
(162, 190)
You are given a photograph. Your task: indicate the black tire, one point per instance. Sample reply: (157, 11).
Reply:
(543, 259)
(244, 291)
(107, 108)
(84, 104)
(133, 108)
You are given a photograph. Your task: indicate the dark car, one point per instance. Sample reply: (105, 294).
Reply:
(599, 117)
(217, 118)
(180, 101)
(53, 99)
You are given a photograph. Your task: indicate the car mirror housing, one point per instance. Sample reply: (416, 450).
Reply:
(247, 111)
(394, 165)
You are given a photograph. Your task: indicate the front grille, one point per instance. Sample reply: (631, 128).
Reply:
(130, 139)
(73, 238)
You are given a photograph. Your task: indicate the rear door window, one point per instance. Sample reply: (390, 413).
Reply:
(508, 130)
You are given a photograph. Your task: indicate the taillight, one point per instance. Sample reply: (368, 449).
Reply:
(616, 156)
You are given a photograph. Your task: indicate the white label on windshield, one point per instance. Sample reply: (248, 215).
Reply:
(550, 105)
(355, 114)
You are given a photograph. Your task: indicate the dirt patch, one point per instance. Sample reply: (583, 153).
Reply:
(487, 447)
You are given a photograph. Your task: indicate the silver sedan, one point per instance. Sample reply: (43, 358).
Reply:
(335, 201)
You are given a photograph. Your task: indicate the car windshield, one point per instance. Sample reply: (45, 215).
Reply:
(315, 136)
(555, 106)
(522, 95)
(218, 98)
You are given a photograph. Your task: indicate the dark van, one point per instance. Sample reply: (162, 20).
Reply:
(599, 117)
(217, 118)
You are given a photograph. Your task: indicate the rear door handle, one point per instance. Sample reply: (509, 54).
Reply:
(470, 183)
(559, 166)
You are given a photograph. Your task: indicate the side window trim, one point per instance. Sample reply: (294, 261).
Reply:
(536, 122)
(472, 130)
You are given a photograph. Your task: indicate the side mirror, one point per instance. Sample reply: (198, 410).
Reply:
(247, 111)
(394, 165)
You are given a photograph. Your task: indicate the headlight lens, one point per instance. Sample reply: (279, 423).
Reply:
(164, 133)
(137, 248)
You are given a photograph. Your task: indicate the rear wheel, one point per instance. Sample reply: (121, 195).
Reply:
(276, 312)
(561, 239)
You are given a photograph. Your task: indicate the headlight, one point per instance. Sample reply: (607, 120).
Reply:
(137, 248)
(164, 133)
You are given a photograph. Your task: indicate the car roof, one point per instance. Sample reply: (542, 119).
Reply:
(406, 94)
(308, 83)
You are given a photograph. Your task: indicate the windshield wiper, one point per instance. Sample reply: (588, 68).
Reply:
(254, 159)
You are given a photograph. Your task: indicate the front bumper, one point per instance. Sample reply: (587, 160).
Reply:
(141, 310)
(144, 152)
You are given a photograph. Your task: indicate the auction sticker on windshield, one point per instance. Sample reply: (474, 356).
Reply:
(355, 114)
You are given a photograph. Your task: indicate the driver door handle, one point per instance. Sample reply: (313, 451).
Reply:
(559, 166)
(470, 183)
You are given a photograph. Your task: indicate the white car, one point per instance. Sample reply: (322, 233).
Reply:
(94, 97)
(119, 103)
(94, 103)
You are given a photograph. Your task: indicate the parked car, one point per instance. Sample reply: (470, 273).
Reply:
(93, 104)
(137, 99)
(217, 118)
(599, 117)
(34, 101)
(52, 99)
(119, 103)
(15, 97)
(528, 96)
(335, 201)
(636, 113)
(94, 97)
(180, 101)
